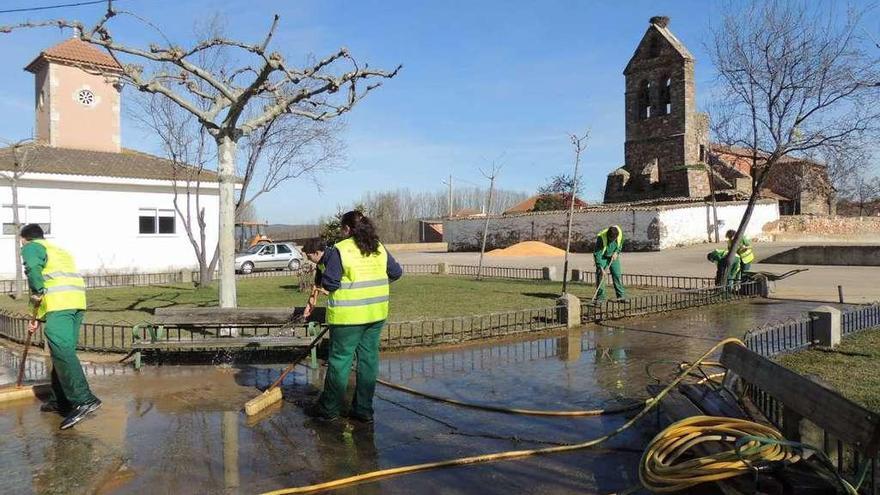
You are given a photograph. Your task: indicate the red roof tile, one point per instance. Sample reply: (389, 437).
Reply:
(78, 52)
(127, 164)
(528, 204)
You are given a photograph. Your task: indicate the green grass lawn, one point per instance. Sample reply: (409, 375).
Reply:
(412, 297)
(856, 377)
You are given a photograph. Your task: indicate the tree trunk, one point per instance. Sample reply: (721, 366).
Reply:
(226, 234)
(16, 222)
(486, 228)
(714, 203)
(737, 239)
(574, 191)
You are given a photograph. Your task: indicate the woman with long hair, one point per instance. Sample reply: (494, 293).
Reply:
(357, 273)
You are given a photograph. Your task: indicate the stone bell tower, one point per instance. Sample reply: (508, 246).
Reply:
(77, 97)
(664, 131)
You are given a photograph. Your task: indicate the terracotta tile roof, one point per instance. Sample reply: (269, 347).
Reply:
(127, 164)
(734, 153)
(466, 212)
(78, 52)
(528, 205)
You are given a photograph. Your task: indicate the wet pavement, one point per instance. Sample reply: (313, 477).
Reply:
(180, 429)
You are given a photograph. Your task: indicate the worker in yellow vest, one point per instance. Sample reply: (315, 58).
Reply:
(606, 255)
(745, 252)
(357, 272)
(58, 296)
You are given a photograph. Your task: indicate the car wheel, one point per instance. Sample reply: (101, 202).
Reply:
(247, 267)
(294, 265)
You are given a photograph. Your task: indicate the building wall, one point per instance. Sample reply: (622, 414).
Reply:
(42, 104)
(98, 223)
(645, 228)
(66, 122)
(683, 226)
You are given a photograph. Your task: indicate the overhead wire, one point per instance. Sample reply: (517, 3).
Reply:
(50, 7)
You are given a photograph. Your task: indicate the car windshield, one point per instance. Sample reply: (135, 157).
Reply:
(254, 249)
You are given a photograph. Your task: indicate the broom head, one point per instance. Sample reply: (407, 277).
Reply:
(262, 401)
(16, 393)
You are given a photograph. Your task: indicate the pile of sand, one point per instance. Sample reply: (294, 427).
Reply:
(528, 248)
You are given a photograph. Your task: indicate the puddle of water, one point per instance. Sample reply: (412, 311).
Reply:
(180, 429)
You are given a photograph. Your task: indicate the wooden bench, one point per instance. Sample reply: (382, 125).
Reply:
(220, 329)
(801, 399)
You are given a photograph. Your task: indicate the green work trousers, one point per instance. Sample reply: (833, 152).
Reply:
(346, 342)
(616, 274)
(69, 385)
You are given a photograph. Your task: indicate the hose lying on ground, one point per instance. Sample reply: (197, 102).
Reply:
(662, 471)
(498, 456)
(510, 410)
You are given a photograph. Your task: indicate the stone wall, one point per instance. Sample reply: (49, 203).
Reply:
(646, 228)
(841, 226)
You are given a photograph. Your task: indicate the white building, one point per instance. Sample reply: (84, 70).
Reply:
(111, 207)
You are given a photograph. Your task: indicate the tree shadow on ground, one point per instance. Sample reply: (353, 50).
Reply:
(542, 295)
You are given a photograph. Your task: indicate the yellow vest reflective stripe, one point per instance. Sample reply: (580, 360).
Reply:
(362, 296)
(745, 250)
(604, 236)
(65, 288)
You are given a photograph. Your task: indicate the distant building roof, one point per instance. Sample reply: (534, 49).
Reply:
(466, 212)
(735, 154)
(77, 52)
(528, 205)
(127, 164)
(768, 194)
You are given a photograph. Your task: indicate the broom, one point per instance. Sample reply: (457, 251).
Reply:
(273, 394)
(19, 392)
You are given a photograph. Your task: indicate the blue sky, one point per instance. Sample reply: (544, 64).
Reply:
(480, 79)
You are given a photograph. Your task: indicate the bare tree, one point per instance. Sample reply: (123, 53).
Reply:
(579, 143)
(239, 102)
(22, 151)
(290, 147)
(492, 174)
(189, 149)
(792, 78)
(247, 214)
(397, 213)
(865, 190)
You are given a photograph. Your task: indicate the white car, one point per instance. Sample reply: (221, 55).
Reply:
(268, 256)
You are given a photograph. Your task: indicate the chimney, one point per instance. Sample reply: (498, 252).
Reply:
(660, 21)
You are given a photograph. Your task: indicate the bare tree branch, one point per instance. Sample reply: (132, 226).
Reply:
(240, 100)
(791, 78)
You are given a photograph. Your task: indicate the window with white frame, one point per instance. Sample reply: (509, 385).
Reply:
(156, 221)
(40, 215)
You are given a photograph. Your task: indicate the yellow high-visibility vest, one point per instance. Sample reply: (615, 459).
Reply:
(604, 236)
(362, 296)
(745, 249)
(65, 288)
